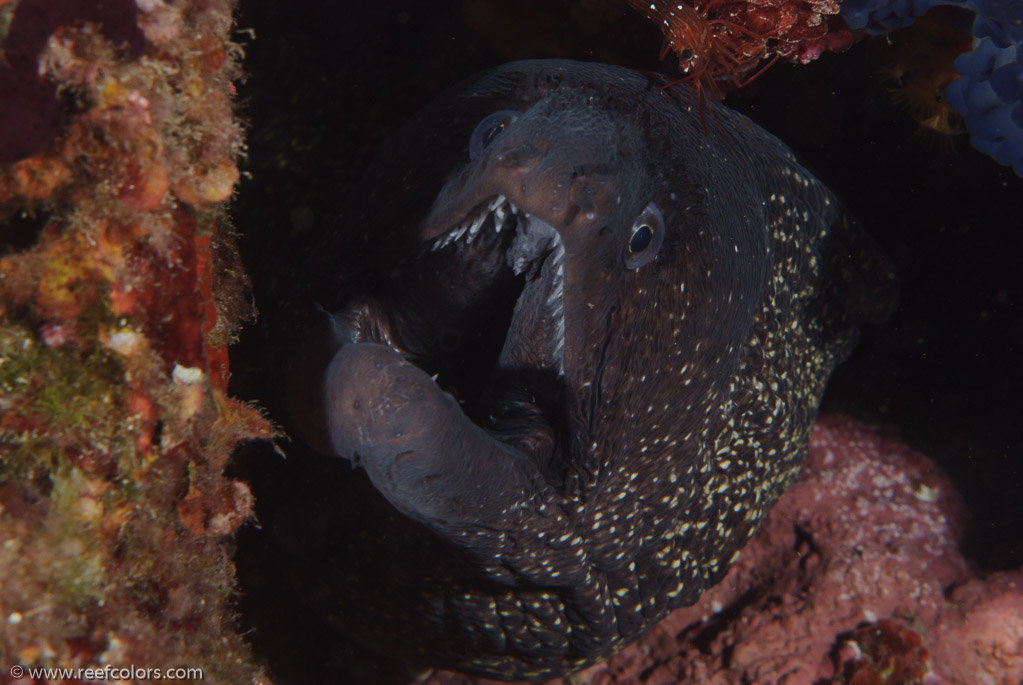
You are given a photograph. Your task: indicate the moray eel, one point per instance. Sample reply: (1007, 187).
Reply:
(577, 347)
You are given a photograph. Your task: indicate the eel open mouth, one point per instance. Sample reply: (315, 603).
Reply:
(485, 300)
(450, 398)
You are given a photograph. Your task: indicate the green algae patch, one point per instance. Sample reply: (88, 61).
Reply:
(60, 405)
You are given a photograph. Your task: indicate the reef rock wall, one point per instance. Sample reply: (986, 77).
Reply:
(120, 288)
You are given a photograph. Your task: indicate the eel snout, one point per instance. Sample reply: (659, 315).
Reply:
(415, 443)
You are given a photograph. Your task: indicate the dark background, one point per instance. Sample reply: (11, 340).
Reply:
(328, 82)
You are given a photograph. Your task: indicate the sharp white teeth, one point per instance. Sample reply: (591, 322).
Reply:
(477, 223)
(501, 208)
(502, 213)
(555, 297)
(556, 302)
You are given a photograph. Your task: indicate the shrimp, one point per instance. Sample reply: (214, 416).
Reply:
(711, 52)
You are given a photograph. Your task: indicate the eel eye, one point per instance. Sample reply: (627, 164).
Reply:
(685, 55)
(489, 128)
(641, 238)
(646, 238)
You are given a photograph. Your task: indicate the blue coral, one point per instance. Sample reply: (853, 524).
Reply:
(990, 96)
(989, 92)
(1001, 20)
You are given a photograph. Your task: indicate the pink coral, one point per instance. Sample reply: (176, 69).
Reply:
(980, 640)
(864, 543)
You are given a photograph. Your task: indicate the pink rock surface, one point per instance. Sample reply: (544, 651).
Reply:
(870, 531)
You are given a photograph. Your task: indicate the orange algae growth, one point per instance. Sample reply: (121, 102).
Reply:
(922, 66)
(722, 44)
(120, 289)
